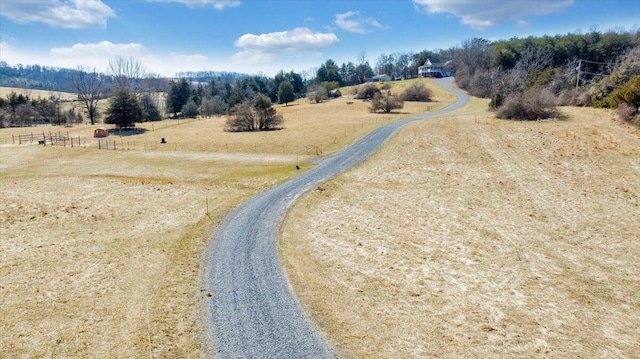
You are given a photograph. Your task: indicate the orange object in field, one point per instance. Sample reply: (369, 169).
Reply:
(100, 132)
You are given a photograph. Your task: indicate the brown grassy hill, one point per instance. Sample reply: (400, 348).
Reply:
(467, 236)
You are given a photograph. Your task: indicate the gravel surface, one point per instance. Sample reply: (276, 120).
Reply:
(252, 312)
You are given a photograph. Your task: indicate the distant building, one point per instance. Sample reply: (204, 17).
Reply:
(430, 69)
(381, 78)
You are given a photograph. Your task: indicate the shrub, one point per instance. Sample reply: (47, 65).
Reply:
(266, 115)
(252, 116)
(497, 99)
(385, 103)
(417, 92)
(190, 109)
(367, 91)
(318, 94)
(330, 85)
(242, 118)
(583, 99)
(480, 84)
(531, 105)
(629, 94)
(628, 113)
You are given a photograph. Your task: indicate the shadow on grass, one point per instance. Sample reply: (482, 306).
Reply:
(127, 131)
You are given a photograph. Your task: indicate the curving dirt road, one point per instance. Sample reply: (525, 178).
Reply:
(252, 312)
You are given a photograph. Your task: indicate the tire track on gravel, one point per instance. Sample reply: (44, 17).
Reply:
(252, 312)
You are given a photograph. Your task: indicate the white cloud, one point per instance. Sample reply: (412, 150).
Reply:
(287, 42)
(187, 58)
(352, 22)
(71, 14)
(104, 49)
(275, 49)
(9, 55)
(94, 55)
(218, 4)
(484, 14)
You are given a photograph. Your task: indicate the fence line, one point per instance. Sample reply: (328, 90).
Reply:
(317, 149)
(120, 143)
(41, 139)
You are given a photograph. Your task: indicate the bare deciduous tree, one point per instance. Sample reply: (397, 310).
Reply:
(127, 73)
(473, 55)
(531, 58)
(243, 118)
(88, 84)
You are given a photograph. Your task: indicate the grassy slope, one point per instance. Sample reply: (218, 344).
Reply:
(468, 236)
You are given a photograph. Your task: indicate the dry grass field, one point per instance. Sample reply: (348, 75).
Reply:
(101, 250)
(36, 94)
(472, 237)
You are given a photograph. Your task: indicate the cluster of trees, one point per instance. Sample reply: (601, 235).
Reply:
(526, 78)
(188, 99)
(254, 115)
(21, 110)
(134, 96)
(399, 65)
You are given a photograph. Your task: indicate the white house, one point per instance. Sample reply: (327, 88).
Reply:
(430, 69)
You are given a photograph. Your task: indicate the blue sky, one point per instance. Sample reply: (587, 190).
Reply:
(263, 37)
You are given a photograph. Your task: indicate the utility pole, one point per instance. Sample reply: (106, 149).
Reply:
(578, 68)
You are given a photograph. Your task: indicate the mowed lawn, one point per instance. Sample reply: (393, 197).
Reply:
(472, 237)
(101, 250)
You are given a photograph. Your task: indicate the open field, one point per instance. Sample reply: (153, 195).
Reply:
(471, 237)
(101, 249)
(309, 129)
(36, 94)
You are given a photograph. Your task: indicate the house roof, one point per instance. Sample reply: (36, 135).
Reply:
(428, 63)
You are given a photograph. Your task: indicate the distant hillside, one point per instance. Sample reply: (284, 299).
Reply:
(59, 79)
(208, 76)
(38, 94)
(36, 77)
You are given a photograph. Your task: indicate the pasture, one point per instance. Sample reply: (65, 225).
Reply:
(101, 249)
(468, 236)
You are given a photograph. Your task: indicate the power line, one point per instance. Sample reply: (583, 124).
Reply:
(607, 71)
(607, 63)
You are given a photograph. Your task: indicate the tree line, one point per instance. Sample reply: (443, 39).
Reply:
(526, 78)
(23, 110)
(578, 69)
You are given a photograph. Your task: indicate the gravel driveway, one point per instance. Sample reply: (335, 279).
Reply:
(252, 313)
